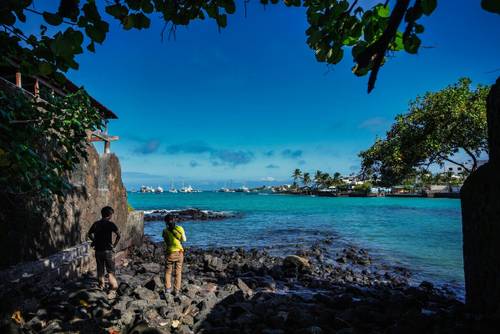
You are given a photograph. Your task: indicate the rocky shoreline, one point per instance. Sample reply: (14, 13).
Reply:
(247, 291)
(188, 214)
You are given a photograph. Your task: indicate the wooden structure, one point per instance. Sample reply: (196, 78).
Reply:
(40, 87)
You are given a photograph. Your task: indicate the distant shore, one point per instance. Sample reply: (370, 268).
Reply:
(320, 193)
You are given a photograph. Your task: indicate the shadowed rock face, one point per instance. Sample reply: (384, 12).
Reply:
(31, 229)
(481, 221)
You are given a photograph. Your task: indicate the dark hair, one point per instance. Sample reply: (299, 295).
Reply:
(170, 221)
(169, 218)
(107, 211)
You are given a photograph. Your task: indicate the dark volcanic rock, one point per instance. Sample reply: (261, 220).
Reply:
(188, 214)
(239, 291)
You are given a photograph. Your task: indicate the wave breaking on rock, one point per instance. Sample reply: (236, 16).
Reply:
(189, 214)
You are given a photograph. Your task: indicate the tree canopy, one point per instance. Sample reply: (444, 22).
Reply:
(42, 140)
(437, 127)
(370, 33)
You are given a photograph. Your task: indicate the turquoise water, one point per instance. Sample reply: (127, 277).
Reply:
(423, 235)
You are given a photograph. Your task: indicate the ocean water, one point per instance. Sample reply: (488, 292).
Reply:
(423, 235)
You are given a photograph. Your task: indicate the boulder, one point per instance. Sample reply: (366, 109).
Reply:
(247, 292)
(144, 328)
(151, 267)
(154, 284)
(213, 263)
(295, 261)
(124, 289)
(145, 294)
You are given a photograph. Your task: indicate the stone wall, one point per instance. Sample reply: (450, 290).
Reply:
(70, 262)
(35, 229)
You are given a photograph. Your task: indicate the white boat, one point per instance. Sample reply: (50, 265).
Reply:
(172, 188)
(187, 189)
(158, 190)
(147, 189)
(225, 190)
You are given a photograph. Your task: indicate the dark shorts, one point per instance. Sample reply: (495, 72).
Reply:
(106, 260)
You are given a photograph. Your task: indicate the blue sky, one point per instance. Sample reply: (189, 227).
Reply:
(251, 103)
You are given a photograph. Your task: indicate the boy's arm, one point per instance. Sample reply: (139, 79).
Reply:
(118, 236)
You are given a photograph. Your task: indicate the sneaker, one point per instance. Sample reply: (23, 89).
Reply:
(168, 290)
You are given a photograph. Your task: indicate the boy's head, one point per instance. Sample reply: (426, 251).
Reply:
(107, 212)
(169, 220)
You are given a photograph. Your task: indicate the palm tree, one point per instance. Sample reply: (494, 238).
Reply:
(336, 179)
(297, 174)
(325, 179)
(318, 179)
(306, 179)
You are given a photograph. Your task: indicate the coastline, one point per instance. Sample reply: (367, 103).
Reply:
(229, 290)
(337, 250)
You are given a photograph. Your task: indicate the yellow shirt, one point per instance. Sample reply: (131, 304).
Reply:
(173, 241)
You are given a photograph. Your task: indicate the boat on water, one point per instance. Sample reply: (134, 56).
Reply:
(146, 189)
(187, 189)
(225, 190)
(172, 188)
(159, 190)
(242, 189)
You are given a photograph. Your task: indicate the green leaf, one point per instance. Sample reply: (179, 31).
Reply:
(134, 4)
(428, 6)
(69, 9)
(7, 18)
(398, 42)
(411, 43)
(147, 6)
(97, 32)
(383, 11)
(45, 68)
(91, 46)
(357, 49)
(350, 41)
(492, 6)
(91, 12)
(52, 18)
(335, 55)
(138, 21)
(117, 11)
(229, 6)
(222, 20)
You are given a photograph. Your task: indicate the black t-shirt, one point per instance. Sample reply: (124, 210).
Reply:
(102, 232)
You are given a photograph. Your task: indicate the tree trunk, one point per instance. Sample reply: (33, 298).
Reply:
(481, 221)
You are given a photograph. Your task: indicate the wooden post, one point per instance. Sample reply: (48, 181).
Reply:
(107, 146)
(99, 136)
(18, 80)
(37, 88)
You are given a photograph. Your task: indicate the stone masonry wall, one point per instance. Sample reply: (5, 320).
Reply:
(68, 263)
(28, 233)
